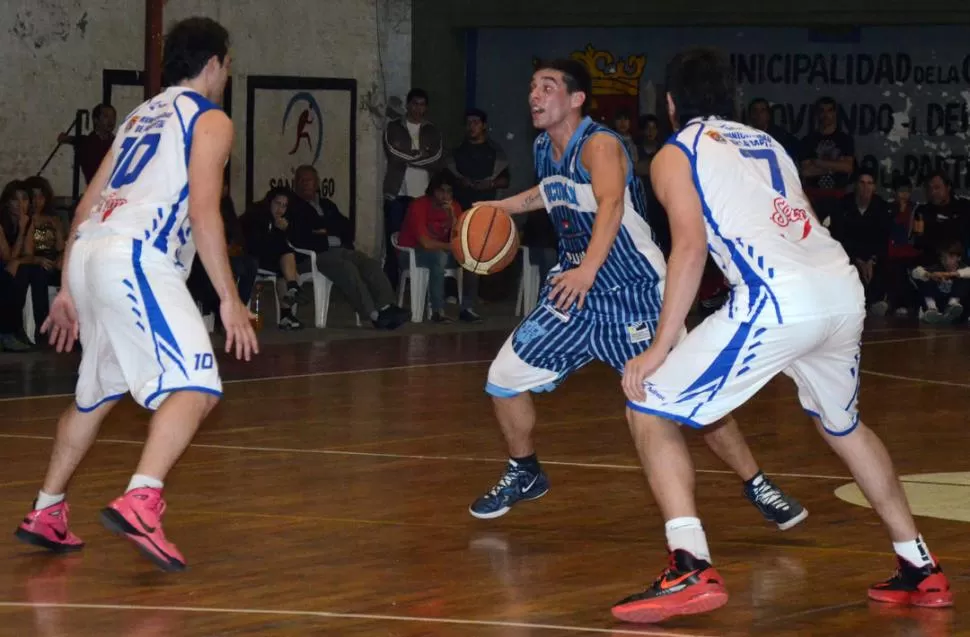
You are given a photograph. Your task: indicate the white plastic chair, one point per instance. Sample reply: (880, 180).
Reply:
(30, 326)
(322, 287)
(419, 282)
(528, 285)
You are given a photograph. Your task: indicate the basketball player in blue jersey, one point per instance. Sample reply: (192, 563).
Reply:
(153, 200)
(603, 298)
(797, 307)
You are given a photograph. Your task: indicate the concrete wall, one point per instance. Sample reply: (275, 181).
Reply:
(54, 52)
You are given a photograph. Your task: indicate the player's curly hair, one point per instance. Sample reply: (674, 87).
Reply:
(189, 46)
(701, 83)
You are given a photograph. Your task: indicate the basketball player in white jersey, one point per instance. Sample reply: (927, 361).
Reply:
(603, 300)
(153, 200)
(797, 307)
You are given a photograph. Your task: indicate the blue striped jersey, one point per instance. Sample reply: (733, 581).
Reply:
(146, 196)
(783, 266)
(629, 285)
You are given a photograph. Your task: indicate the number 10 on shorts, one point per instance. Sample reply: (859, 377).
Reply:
(204, 361)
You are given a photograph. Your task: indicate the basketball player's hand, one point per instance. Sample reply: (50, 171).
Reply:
(638, 369)
(62, 323)
(236, 319)
(571, 287)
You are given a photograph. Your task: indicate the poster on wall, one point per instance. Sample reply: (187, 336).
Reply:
(903, 93)
(297, 121)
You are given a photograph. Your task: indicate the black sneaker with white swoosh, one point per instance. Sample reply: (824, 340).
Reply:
(517, 484)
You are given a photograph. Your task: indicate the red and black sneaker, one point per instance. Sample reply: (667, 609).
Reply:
(686, 587)
(912, 585)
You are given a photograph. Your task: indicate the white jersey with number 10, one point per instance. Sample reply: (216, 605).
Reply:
(146, 196)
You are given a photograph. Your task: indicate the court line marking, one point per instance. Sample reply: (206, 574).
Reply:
(356, 616)
(928, 381)
(371, 370)
(405, 456)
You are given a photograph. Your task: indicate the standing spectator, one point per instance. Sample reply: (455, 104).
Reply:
(759, 116)
(413, 146)
(92, 148)
(827, 159)
(479, 164)
(427, 229)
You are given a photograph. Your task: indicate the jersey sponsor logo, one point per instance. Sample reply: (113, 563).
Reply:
(560, 193)
(785, 215)
(109, 205)
(716, 136)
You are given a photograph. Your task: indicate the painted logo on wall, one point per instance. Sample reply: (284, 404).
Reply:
(304, 132)
(616, 83)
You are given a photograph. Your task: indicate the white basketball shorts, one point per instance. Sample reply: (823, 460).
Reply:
(722, 363)
(141, 331)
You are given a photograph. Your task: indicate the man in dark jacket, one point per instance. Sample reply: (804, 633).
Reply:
(319, 226)
(413, 146)
(862, 224)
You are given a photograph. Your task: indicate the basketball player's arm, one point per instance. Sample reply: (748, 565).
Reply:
(211, 144)
(525, 201)
(673, 183)
(607, 163)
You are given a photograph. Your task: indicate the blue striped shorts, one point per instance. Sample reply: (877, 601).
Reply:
(549, 345)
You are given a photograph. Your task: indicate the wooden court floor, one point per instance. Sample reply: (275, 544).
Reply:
(328, 495)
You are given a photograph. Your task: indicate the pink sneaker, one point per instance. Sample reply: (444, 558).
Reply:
(137, 516)
(48, 528)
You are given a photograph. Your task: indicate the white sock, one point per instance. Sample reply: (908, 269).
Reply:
(930, 304)
(45, 500)
(688, 534)
(954, 300)
(914, 552)
(139, 481)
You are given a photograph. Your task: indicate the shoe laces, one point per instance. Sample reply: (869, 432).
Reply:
(508, 479)
(768, 494)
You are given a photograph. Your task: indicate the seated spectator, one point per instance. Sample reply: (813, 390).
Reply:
(427, 229)
(267, 229)
(943, 218)
(45, 244)
(944, 284)
(21, 265)
(318, 225)
(903, 254)
(13, 198)
(539, 235)
(862, 223)
(243, 265)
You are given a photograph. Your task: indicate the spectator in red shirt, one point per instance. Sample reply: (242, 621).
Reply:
(427, 229)
(92, 148)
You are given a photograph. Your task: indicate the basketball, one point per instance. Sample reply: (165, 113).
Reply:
(485, 240)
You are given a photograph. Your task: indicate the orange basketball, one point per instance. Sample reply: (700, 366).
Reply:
(485, 240)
